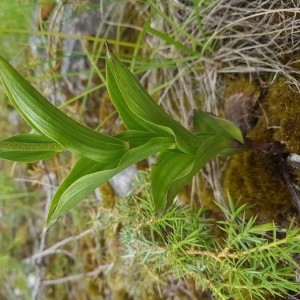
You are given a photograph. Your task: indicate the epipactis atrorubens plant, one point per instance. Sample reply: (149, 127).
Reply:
(150, 130)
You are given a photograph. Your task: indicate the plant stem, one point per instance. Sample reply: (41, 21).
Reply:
(269, 147)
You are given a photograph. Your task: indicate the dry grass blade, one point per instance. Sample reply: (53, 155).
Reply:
(229, 38)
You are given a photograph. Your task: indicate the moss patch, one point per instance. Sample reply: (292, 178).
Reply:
(280, 119)
(256, 178)
(284, 112)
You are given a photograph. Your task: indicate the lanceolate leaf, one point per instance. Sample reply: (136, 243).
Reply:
(137, 109)
(28, 148)
(170, 167)
(175, 169)
(136, 138)
(51, 122)
(87, 175)
(83, 167)
(212, 147)
(206, 122)
(26, 156)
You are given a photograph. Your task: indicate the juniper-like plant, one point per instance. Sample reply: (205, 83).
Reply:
(149, 130)
(240, 260)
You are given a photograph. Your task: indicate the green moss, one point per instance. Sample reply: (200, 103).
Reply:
(280, 119)
(283, 114)
(256, 178)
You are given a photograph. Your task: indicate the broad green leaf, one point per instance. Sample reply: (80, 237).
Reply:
(83, 167)
(212, 147)
(175, 169)
(229, 151)
(26, 157)
(28, 148)
(51, 122)
(136, 138)
(138, 110)
(87, 175)
(170, 167)
(206, 122)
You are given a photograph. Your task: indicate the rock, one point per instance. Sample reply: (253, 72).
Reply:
(241, 104)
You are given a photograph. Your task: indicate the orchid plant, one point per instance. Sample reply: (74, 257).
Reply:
(149, 130)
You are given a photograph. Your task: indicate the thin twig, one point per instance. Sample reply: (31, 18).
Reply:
(53, 249)
(76, 277)
(39, 270)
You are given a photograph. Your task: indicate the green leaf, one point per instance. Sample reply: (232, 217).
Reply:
(51, 122)
(28, 148)
(87, 175)
(171, 167)
(174, 169)
(136, 138)
(83, 167)
(137, 109)
(206, 122)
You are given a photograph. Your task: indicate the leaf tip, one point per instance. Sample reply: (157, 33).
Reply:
(49, 222)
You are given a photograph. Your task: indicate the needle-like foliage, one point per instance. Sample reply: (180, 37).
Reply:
(244, 260)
